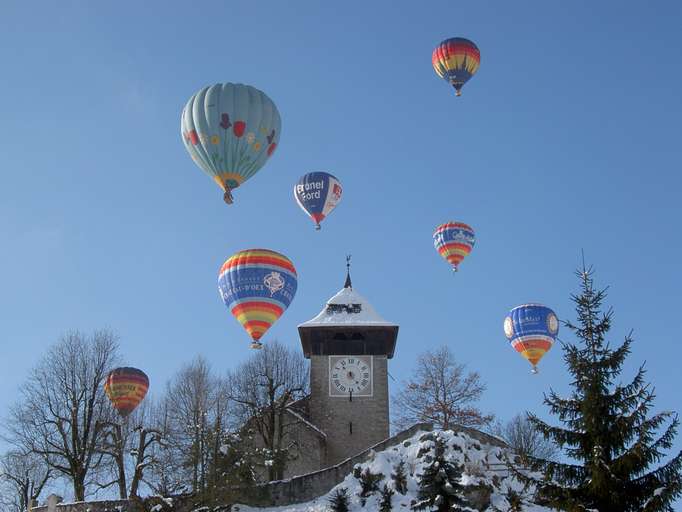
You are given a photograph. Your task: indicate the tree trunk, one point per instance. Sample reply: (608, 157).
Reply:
(137, 476)
(120, 463)
(79, 486)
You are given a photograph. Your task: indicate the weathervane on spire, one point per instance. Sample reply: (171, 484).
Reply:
(348, 283)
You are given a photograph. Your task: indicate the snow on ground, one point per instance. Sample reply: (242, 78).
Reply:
(482, 463)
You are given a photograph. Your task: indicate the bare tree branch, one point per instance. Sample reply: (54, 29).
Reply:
(60, 403)
(262, 388)
(441, 392)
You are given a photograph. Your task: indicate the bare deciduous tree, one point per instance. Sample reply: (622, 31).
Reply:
(195, 414)
(61, 403)
(441, 392)
(128, 445)
(262, 388)
(520, 434)
(165, 475)
(25, 476)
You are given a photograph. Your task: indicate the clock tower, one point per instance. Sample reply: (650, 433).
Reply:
(349, 346)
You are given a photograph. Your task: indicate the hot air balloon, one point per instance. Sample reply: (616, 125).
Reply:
(257, 285)
(454, 241)
(318, 193)
(230, 131)
(126, 388)
(531, 329)
(456, 60)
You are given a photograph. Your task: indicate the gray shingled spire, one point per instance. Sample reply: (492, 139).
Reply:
(348, 283)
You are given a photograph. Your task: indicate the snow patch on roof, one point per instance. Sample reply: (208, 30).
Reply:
(332, 316)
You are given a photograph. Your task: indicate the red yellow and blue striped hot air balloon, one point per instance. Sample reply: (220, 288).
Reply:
(531, 329)
(230, 131)
(257, 285)
(456, 60)
(126, 388)
(454, 241)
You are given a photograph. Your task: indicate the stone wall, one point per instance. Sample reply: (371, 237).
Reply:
(179, 503)
(92, 506)
(307, 487)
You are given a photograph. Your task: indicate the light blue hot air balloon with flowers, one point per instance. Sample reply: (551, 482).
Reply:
(230, 131)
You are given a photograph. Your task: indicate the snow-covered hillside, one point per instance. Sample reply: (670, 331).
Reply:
(484, 469)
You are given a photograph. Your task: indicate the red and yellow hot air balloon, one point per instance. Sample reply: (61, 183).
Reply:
(257, 286)
(454, 241)
(531, 330)
(126, 387)
(456, 60)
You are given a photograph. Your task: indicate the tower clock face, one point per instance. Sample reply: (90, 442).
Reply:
(350, 375)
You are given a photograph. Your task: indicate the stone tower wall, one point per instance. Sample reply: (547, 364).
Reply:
(369, 415)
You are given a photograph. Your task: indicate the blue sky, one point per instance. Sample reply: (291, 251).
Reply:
(568, 138)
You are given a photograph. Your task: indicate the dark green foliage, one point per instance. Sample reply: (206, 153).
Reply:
(607, 428)
(369, 483)
(339, 501)
(439, 484)
(385, 504)
(399, 478)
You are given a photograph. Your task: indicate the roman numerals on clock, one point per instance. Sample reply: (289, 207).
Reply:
(350, 375)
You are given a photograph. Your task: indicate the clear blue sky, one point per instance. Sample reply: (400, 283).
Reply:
(567, 138)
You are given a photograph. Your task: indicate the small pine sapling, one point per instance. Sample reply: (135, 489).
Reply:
(439, 485)
(339, 501)
(399, 477)
(385, 504)
(369, 483)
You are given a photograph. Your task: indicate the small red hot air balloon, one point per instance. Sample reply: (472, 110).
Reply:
(126, 388)
(456, 60)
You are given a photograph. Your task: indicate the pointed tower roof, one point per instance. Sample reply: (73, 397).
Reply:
(347, 308)
(348, 316)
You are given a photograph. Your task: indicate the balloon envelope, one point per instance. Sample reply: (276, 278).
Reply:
(126, 388)
(454, 241)
(456, 60)
(531, 329)
(257, 285)
(230, 131)
(318, 193)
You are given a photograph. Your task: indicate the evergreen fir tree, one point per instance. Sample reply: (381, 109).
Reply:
(385, 504)
(399, 478)
(339, 500)
(439, 484)
(607, 428)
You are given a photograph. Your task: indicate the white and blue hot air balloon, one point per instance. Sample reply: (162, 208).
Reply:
(318, 193)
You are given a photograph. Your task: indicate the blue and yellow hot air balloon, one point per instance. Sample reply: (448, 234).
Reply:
(531, 329)
(456, 60)
(257, 285)
(454, 241)
(126, 387)
(230, 131)
(318, 193)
